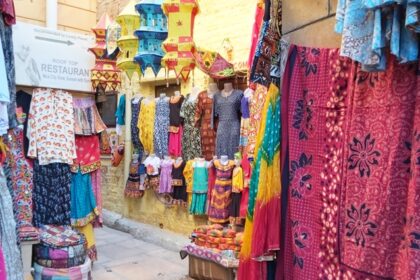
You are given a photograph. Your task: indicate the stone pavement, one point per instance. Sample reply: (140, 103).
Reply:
(122, 257)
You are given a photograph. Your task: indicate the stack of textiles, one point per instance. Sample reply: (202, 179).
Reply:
(218, 238)
(62, 253)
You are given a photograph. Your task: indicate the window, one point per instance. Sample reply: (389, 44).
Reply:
(107, 109)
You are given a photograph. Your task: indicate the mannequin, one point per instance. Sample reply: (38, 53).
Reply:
(162, 95)
(212, 90)
(248, 93)
(179, 160)
(227, 89)
(167, 157)
(194, 94)
(177, 93)
(224, 159)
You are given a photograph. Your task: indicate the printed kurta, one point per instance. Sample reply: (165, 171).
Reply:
(227, 110)
(51, 127)
(161, 130)
(204, 120)
(191, 142)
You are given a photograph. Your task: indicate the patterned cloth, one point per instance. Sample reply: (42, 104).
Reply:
(8, 239)
(135, 131)
(132, 186)
(256, 105)
(369, 27)
(43, 251)
(7, 44)
(7, 9)
(60, 236)
(19, 173)
(97, 190)
(228, 110)
(3, 273)
(83, 204)
(165, 182)
(88, 154)
(191, 142)
(262, 227)
(82, 272)
(87, 120)
(243, 139)
(61, 263)
(204, 121)
(160, 139)
(51, 194)
(51, 127)
(220, 198)
(146, 124)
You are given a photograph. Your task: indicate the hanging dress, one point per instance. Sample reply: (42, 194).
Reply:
(200, 188)
(146, 124)
(175, 126)
(160, 139)
(221, 194)
(191, 142)
(237, 188)
(165, 182)
(204, 121)
(178, 182)
(227, 110)
(83, 203)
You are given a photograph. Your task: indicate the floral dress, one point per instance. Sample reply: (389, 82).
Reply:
(204, 120)
(191, 143)
(161, 136)
(146, 123)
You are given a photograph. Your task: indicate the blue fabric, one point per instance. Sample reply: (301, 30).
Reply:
(368, 27)
(83, 203)
(120, 113)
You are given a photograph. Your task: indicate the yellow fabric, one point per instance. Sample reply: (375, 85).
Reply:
(188, 175)
(87, 230)
(146, 124)
(249, 223)
(237, 180)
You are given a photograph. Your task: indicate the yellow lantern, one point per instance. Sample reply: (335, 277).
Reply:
(105, 74)
(128, 43)
(179, 46)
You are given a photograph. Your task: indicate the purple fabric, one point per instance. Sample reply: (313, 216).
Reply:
(165, 183)
(245, 107)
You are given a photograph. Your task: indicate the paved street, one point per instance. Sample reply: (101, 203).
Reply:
(121, 257)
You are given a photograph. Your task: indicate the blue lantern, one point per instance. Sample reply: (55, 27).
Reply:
(152, 32)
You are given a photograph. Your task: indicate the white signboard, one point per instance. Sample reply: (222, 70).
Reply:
(51, 58)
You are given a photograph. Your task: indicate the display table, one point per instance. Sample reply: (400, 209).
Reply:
(26, 247)
(209, 264)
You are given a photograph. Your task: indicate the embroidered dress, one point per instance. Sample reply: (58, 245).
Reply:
(227, 110)
(51, 194)
(175, 126)
(178, 182)
(189, 174)
(87, 120)
(8, 239)
(132, 187)
(191, 142)
(146, 124)
(20, 182)
(83, 204)
(221, 194)
(152, 165)
(88, 154)
(160, 139)
(200, 188)
(204, 121)
(243, 139)
(51, 127)
(165, 183)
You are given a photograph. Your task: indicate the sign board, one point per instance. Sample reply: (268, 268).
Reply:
(52, 58)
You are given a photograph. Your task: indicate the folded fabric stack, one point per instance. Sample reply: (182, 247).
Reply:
(28, 233)
(218, 239)
(61, 254)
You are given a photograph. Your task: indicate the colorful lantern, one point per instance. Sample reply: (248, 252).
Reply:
(152, 32)
(105, 74)
(128, 43)
(213, 64)
(179, 46)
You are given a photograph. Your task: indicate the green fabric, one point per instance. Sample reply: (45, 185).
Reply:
(120, 113)
(198, 204)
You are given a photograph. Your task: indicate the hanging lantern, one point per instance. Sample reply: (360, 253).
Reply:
(152, 32)
(213, 64)
(179, 46)
(128, 43)
(105, 75)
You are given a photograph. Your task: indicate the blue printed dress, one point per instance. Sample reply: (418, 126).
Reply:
(161, 131)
